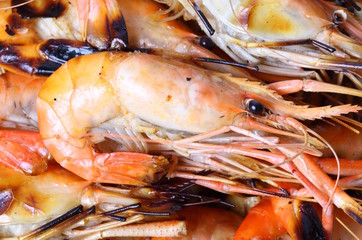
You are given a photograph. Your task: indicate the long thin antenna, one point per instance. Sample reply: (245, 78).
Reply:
(202, 17)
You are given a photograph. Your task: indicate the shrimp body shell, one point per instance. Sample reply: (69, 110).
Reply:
(177, 96)
(174, 95)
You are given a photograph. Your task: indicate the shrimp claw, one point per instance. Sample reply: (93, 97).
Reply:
(279, 216)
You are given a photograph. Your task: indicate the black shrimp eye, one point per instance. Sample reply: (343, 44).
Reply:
(206, 42)
(255, 107)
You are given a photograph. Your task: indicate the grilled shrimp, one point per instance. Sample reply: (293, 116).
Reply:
(186, 109)
(33, 206)
(43, 196)
(61, 38)
(187, 118)
(270, 34)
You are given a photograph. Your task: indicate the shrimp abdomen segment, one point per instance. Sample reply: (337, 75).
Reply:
(78, 156)
(79, 95)
(157, 90)
(76, 98)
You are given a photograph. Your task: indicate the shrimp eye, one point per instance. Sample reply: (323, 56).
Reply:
(206, 42)
(255, 107)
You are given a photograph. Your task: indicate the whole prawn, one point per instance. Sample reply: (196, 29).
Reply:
(181, 107)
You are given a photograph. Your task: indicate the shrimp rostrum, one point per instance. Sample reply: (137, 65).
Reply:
(211, 120)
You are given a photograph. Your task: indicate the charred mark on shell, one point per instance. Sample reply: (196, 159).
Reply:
(46, 68)
(311, 224)
(62, 50)
(188, 79)
(12, 56)
(116, 37)
(36, 9)
(56, 53)
(9, 31)
(6, 198)
(119, 34)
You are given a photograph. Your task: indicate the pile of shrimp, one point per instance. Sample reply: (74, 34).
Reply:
(169, 119)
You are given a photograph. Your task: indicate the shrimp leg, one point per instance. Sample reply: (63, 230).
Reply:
(293, 86)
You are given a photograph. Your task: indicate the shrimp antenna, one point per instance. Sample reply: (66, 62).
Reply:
(283, 195)
(337, 160)
(122, 209)
(75, 211)
(202, 17)
(117, 218)
(160, 214)
(225, 62)
(322, 45)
